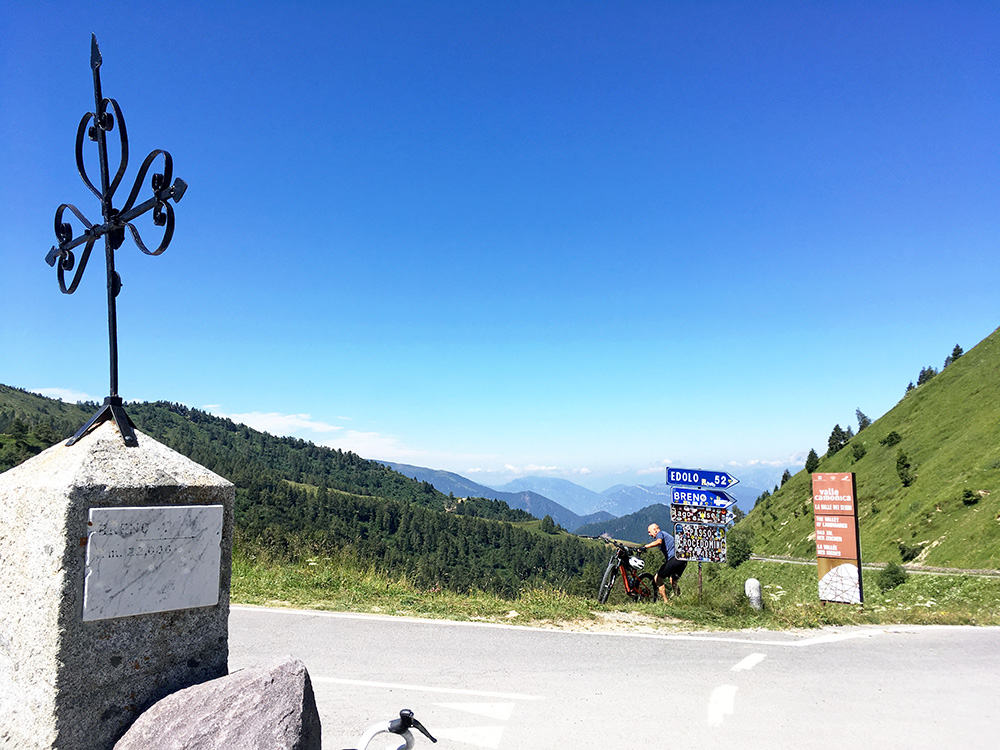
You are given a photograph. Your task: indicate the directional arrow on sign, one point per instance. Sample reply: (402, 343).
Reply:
(712, 498)
(718, 480)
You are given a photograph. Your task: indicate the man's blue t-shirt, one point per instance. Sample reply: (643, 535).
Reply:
(666, 543)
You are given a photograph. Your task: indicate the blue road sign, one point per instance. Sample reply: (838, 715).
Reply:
(711, 498)
(713, 480)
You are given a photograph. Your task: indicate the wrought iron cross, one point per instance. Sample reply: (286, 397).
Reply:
(95, 126)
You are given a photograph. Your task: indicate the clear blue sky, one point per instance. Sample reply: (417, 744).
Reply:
(582, 239)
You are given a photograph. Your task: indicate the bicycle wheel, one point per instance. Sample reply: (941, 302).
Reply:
(646, 588)
(607, 583)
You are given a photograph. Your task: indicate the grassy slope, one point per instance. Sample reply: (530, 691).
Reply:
(950, 428)
(341, 584)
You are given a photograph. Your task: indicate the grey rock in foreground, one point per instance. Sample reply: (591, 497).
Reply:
(267, 707)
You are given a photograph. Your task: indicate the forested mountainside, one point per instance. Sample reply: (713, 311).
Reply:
(928, 473)
(296, 498)
(632, 528)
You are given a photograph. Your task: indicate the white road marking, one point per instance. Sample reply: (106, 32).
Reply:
(428, 689)
(835, 637)
(818, 640)
(500, 711)
(749, 663)
(477, 736)
(720, 703)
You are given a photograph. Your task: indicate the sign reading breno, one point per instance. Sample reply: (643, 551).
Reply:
(838, 551)
(714, 498)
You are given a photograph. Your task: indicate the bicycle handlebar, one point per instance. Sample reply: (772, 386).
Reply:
(405, 721)
(400, 727)
(605, 537)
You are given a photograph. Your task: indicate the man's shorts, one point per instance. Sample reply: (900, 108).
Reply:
(672, 568)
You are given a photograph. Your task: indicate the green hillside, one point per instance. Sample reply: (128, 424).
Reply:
(948, 432)
(295, 499)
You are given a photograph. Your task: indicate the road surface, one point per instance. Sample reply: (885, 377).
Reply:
(495, 686)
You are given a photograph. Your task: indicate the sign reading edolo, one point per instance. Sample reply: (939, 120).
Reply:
(838, 552)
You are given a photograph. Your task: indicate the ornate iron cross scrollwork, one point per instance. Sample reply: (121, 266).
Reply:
(95, 126)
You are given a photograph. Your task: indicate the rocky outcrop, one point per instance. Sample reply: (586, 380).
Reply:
(268, 707)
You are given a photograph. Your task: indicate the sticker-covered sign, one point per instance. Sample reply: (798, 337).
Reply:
(701, 542)
(700, 514)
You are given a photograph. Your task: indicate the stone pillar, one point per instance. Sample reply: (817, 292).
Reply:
(115, 566)
(752, 589)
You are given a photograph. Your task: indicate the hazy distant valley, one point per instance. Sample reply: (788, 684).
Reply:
(569, 504)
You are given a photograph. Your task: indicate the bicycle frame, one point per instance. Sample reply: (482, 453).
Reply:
(631, 581)
(638, 586)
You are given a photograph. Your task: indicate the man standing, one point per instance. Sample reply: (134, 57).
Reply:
(672, 568)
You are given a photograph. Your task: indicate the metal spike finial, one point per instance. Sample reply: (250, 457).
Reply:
(95, 53)
(95, 127)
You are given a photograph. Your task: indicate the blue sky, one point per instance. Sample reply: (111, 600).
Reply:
(580, 239)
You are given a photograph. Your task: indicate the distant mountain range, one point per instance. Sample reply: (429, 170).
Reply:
(619, 500)
(534, 503)
(578, 499)
(570, 505)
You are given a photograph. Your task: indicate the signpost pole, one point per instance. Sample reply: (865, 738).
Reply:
(699, 498)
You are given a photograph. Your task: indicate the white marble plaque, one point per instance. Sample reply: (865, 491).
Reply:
(156, 559)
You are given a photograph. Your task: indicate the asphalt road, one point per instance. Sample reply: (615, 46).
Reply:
(520, 688)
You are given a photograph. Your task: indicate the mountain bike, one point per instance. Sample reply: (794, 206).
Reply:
(625, 563)
(399, 727)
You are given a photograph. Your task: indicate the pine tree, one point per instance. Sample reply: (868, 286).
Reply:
(863, 421)
(812, 461)
(904, 468)
(838, 439)
(955, 354)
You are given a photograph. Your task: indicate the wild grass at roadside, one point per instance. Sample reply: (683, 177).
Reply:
(339, 583)
(791, 601)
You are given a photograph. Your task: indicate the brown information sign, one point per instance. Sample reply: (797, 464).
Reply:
(838, 551)
(837, 537)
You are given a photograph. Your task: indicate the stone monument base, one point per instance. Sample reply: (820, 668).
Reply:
(104, 612)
